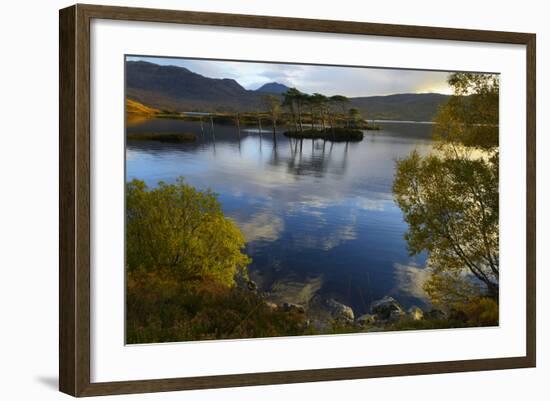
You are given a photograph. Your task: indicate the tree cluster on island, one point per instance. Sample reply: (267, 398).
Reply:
(316, 116)
(305, 116)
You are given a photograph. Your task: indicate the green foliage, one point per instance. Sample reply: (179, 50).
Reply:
(273, 106)
(179, 228)
(294, 100)
(451, 207)
(342, 100)
(320, 109)
(354, 116)
(354, 113)
(341, 103)
(470, 116)
(161, 308)
(476, 312)
(407, 323)
(424, 324)
(482, 311)
(450, 288)
(450, 201)
(183, 256)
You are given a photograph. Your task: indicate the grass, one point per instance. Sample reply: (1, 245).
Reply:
(407, 323)
(134, 107)
(163, 137)
(162, 309)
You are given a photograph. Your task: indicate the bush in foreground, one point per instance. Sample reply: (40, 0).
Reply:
(179, 229)
(162, 309)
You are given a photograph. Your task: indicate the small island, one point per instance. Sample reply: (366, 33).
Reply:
(336, 134)
(304, 116)
(163, 137)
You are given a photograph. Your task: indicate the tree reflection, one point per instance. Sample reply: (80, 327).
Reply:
(317, 160)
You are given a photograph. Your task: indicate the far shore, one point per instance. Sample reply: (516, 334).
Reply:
(249, 118)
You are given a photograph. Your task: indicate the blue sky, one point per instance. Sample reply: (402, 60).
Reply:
(329, 80)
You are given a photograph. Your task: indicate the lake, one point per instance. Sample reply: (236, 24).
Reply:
(318, 217)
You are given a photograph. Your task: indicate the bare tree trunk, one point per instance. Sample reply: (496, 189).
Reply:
(300, 117)
(212, 127)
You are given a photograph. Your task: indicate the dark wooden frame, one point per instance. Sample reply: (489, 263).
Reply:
(74, 204)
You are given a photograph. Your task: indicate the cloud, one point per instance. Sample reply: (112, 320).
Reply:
(329, 80)
(262, 226)
(294, 289)
(410, 279)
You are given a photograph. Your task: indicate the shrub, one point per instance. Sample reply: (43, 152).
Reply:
(162, 309)
(182, 230)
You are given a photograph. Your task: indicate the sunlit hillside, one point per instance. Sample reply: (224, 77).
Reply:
(133, 107)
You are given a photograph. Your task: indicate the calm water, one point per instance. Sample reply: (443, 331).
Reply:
(318, 217)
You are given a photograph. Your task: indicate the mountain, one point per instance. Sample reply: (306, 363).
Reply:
(179, 89)
(171, 88)
(273, 87)
(405, 106)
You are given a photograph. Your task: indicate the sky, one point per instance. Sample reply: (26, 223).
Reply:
(328, 80)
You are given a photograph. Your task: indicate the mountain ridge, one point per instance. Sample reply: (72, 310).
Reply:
(176, 89)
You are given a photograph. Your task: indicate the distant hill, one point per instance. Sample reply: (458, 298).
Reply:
(406, 106)
(273, 87)
(134, 107)
(171, 88)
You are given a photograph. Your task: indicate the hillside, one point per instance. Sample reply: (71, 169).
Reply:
(178, 89)
(134, 107)
(407, 106)
(171, 88)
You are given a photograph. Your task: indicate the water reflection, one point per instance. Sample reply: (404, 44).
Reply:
(317, 215)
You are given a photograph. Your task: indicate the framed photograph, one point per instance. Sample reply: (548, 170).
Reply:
(250, 200)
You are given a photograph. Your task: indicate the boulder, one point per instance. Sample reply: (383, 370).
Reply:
(271, 305)
(458, 315)
(319, 326)
(386, 308)
(395, 315)
(251, 285)
(290, 307)
(339, 311)
(365, 319)
(436, 314)
(415, 312)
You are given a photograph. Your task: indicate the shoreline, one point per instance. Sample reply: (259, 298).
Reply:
(325, 315)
